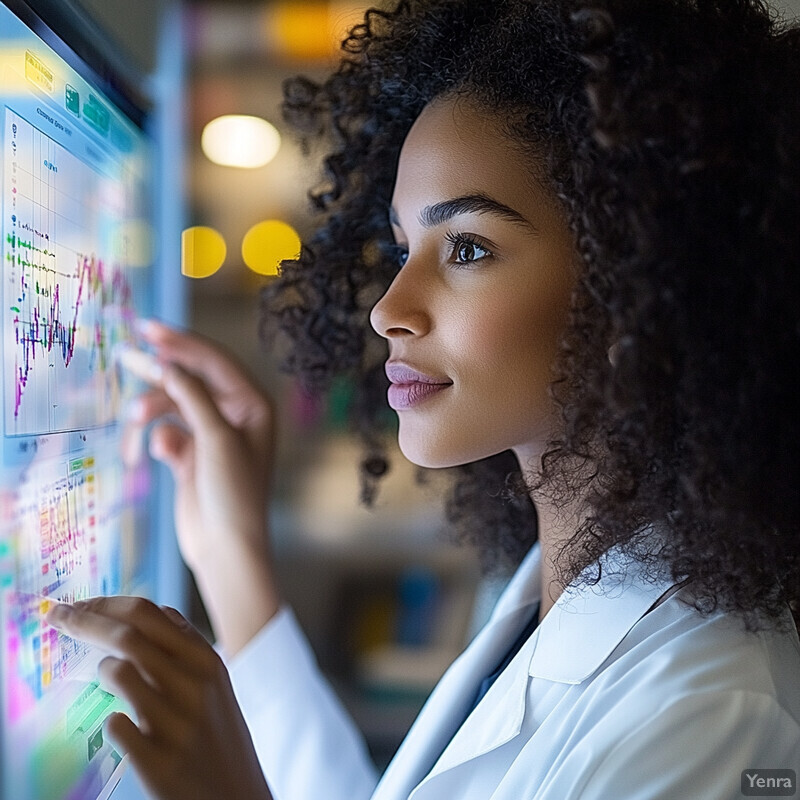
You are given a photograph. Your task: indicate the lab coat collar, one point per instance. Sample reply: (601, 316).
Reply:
(588, 621)
(580, 631)
(575, 637)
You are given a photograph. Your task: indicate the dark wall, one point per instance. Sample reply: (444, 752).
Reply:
(133, 25)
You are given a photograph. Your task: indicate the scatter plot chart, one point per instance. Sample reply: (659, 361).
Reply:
(66, 298)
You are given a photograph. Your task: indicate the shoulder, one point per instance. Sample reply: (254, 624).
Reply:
(634, 661)
(684, 652)
(699, 689)
(690, 701)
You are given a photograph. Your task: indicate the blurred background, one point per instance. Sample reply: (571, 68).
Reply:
(385, 600)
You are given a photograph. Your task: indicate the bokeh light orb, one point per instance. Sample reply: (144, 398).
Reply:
(239, 140)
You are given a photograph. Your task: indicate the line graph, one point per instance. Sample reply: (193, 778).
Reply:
(66, 304)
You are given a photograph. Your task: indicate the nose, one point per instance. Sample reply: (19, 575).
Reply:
(402, 311)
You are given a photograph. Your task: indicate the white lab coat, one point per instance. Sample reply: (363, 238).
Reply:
(605, 700)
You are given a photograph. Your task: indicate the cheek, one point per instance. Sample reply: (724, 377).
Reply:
(515, 337)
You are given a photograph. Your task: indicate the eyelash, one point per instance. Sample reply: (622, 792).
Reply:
(457, 240)
(399, 254)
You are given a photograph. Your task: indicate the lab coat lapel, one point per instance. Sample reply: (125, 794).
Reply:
(448, 704)
(496, 720)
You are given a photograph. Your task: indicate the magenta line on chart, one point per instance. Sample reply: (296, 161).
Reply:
(46, 331)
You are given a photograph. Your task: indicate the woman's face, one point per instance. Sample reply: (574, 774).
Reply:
(474, 316)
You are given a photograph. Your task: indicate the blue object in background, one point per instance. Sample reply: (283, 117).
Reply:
(419, 593)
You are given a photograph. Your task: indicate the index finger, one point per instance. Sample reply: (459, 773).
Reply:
(220, 369)
(106, 621)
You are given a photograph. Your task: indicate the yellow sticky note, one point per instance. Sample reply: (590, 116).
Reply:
(203, 251)
(38, 73)
(268, 243)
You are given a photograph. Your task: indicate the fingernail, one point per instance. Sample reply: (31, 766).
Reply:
(132, 445)
(134, 409)
(145, 327)
(58, 614)
(142, 364)
(169, 374)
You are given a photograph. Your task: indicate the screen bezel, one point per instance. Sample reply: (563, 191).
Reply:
(68, 29)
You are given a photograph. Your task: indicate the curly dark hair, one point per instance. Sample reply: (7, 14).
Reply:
(670, 130)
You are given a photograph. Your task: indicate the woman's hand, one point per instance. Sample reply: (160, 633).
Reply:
(215, 432)
(190, 741)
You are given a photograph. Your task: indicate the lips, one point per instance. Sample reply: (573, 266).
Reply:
(410, 387)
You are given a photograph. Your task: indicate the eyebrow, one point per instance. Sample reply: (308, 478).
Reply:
(479, 203)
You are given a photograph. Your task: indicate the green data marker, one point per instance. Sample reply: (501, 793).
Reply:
(97, 115)
(72, 100)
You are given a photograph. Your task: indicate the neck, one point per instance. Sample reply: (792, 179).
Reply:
(555, 528)
(557, 524)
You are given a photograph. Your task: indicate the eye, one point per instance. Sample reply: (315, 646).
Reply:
(466, 249)
(400, 255)
(397, 254)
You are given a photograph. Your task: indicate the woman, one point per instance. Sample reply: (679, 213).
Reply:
(572, 229)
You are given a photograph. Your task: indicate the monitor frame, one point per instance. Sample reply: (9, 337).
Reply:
(85, 46)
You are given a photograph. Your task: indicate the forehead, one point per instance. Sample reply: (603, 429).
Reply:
(456, 148)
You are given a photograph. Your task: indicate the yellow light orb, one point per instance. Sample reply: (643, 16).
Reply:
(268, 243)
(203, 251)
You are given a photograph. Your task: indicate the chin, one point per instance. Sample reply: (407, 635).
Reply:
(421, 457)
(436, 454)
(422, 453)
